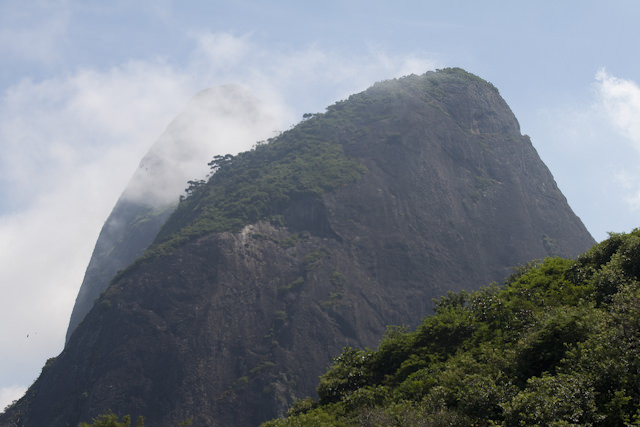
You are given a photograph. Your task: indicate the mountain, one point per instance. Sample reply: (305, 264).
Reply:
(223, 116)
(317, 239)
(558, 344)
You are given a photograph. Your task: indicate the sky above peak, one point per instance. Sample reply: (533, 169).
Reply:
(87, 87)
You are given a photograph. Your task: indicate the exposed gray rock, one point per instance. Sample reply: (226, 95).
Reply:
(227, 328)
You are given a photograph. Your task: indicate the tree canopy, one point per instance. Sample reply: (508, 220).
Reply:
(556, 345)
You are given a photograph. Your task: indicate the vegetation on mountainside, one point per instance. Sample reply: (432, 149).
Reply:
(557, 345)
(112, 420)
(300, 163)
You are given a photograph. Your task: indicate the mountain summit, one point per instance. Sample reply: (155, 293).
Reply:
(353, 220)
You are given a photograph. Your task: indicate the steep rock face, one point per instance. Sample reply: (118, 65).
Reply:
(227, 324)
(224, 115)
(129, 229)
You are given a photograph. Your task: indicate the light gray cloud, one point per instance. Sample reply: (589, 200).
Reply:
(305, 79)
(220, 120)
(220, 51)
(619, 101)
(48, 128)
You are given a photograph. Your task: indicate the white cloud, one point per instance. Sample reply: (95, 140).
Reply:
(220, 120)
(48, 129)
(69, 145)
(620, 105)
(220, 51)
(620, 100)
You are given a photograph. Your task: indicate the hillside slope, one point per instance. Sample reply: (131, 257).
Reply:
(353, 220)
(558, 345)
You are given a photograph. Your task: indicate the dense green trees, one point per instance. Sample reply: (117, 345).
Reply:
(112, 420)
(255, 185)
(557, 345)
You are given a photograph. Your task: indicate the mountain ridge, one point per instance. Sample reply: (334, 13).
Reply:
(351, 221)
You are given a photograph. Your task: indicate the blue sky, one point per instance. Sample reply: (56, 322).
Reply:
(86, 87)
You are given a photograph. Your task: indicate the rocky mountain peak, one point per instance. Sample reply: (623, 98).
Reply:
(353, 220)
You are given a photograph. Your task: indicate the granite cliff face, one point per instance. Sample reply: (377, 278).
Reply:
(351, 221)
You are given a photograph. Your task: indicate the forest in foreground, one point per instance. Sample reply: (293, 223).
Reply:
(556, 345)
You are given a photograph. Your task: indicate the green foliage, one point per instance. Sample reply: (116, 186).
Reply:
(560, 400)
(313, 259)
(337, 279)
(309, 419)
(544, 347)
(289, 241)
(302, 406)
(301, 163)
(292, 286)
(348, 373)
(557, 345)
(112, 420)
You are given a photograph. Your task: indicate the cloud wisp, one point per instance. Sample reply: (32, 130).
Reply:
(620, 101)
(219, 120)
(620, 106)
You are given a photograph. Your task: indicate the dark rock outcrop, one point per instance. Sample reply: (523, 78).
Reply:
(228, 327)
